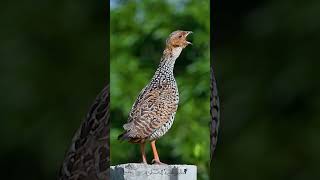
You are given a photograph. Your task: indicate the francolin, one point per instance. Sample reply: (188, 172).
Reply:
(154, 110)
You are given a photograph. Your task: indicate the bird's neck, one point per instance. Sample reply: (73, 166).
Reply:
(168, 59)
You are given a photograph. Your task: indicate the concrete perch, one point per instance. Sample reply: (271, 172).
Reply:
(139, 171)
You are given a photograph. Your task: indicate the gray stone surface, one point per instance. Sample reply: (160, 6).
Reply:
(139, 171)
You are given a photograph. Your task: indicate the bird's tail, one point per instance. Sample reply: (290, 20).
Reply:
(123, 136)
(126, 136)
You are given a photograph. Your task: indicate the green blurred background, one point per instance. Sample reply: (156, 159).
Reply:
(53, 62)
(138, 33)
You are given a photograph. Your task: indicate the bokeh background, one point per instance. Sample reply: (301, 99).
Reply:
(138, 33)
(267, 67)
(53, 62)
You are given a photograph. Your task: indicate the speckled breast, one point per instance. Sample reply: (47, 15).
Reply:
(166, 126)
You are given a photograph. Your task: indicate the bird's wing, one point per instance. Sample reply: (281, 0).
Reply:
(88, 155)
(215, 114)
(152, 109)
(136, 103)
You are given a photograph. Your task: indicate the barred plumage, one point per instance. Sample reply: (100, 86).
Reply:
(215, 114)
(88, 155)
(154, 110)
(156, 105)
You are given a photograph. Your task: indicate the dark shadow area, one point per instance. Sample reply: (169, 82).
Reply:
(174, 172)
(53, 64)
(265, 56)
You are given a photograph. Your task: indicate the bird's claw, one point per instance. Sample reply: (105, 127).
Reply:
(144, 162)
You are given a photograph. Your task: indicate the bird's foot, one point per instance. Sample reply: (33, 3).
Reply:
(157, 162)
(144, 162)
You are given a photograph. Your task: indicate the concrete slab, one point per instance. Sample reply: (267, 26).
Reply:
(139, 171)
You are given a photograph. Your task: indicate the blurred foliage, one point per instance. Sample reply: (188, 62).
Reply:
(267, 67)
(138, 33)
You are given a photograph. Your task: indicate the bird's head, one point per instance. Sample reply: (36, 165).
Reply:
(178, 39)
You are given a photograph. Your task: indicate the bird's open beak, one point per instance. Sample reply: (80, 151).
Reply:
(187, 33)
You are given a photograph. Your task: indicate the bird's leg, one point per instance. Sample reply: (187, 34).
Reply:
(156, 159)
(144, 159)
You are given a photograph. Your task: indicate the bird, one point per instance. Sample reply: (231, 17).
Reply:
(88, 155)
(153, 112)
(215, 114)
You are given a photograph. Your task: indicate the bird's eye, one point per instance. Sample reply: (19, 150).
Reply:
(180, 36)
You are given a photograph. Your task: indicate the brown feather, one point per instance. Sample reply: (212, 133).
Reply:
(153, 112)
